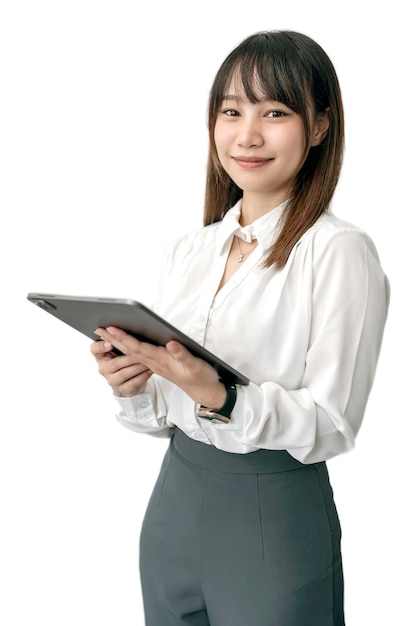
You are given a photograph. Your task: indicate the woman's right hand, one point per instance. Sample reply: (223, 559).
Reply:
(125, 376)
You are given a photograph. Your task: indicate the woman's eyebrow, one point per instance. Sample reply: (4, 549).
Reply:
(264, 99)
(233, 97)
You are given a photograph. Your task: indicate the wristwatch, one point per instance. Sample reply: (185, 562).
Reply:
(223, 413)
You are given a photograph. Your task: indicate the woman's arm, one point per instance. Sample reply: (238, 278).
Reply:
(346, 304)
(144, 401)
(128, 374)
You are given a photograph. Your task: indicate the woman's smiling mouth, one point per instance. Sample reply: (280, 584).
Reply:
(251, 162)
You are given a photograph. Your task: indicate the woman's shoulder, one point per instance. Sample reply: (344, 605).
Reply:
(333, 241)
(330, 230)
(329, 224)
(192, 242)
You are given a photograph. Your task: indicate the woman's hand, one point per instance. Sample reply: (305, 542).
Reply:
(126, 377)
(129, 373)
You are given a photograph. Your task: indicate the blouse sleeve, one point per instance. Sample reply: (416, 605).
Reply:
(349, 297)
(147, 412)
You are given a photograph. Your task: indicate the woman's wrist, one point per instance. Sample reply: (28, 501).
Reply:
(220, 413)
(215, 396)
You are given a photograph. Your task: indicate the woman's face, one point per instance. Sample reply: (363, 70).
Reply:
(260, 145)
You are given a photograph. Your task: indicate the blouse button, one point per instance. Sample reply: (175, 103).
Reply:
(143, 404)
(198, 435)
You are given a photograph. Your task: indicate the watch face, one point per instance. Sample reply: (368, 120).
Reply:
(210, 414)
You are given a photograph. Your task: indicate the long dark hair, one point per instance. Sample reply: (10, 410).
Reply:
(291, 68)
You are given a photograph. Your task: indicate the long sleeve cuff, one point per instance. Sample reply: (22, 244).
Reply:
(145, 412)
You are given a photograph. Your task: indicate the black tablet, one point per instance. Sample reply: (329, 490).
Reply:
(87, 314)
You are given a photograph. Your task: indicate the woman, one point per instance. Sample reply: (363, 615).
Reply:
(241, 528)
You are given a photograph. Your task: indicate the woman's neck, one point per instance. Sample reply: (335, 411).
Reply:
(255, 206)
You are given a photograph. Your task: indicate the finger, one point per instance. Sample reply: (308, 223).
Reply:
(100, 347)
(127, 344)
(133, 386)
(191, 367)
(177, 350)
(121, 376)
(118, 338)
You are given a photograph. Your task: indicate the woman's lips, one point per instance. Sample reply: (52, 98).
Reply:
(251, 162)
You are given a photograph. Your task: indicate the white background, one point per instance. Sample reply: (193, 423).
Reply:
(103, 153)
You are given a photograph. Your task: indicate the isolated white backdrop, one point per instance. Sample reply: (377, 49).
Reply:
(103, 152)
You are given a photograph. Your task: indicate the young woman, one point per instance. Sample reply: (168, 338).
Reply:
(241, 529)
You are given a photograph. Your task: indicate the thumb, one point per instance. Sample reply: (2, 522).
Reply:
(176, 350)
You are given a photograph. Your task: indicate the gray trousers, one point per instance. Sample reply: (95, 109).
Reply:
(240, 540)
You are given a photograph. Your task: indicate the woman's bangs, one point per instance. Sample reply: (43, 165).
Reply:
(257, 79)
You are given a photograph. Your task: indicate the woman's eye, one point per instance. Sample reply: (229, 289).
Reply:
(277, 113)
(230, 112)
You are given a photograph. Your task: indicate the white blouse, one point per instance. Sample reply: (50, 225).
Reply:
(308, 337)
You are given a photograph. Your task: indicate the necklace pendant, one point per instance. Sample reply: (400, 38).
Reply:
(240, 259)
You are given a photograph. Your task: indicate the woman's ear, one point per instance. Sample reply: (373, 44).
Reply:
(320, 128)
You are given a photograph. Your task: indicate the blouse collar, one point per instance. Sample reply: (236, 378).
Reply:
(265, 229)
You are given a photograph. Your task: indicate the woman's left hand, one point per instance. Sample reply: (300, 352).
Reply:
(194, 376)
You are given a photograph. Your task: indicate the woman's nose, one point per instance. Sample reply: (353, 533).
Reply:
(250, 134)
